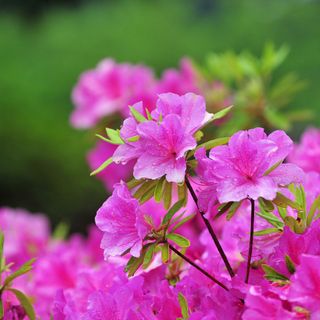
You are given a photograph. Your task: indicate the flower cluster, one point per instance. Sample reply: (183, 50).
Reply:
(80, 284)
(198, 226)
(102, 96)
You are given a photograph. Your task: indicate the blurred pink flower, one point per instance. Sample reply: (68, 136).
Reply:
(307, 153)
(179, 81)
(21, 241)
(108, 89)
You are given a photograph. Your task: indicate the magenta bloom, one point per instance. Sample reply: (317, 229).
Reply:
(240, 167)
(305, 286)
(191, 109)
(21, 242)
(162, 145)
(122, 223)
(307, 153)
(179, 81)
(108, 89)
(259, 306)
(165, 146)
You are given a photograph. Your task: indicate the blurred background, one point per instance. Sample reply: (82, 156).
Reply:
(45, 45)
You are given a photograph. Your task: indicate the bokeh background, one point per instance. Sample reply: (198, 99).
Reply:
(45, 45)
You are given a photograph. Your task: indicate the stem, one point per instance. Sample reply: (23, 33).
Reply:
(251, 241)
(181, 255)
(210, 229)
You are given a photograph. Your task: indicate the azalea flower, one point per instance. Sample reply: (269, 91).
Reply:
(191, 109)
(122, 223)
(307, 153)
(161, 146)
(305, 284)
(245, 167)
(179, 81)
(108, 89)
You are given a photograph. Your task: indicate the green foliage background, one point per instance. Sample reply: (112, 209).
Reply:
(42, 162)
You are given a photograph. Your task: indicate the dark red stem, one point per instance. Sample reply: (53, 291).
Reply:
(250, 241)
(181, 255)
(210, 229)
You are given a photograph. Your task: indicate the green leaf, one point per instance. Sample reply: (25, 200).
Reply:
(179, 240)
(61, 231)
(172, 211)
(290, 265)
(223, 209)
(314, 207)
(133, 139)
(114, 136)
(149, 117)
(282, 212)
(148, 195)
(283, 201)
(296, 226)
(214, 143)
(233, 209)
(165, 252)
(276, 119)
(1, 251)
(1, 309)
(222, 113)
(266, 205)
(25, 303)
(275, 166)
(183, 193)
(183, 305)
(272, 275)
(105, 139)
(148, 256)
(198, 135)
(271, 218)
(144, 188)
(134, 183)
(26, 267)
(137, 115)
(134, 264)
(167, 194)
(183, 221)
(266, 231)
(102, 166)
(159, 190)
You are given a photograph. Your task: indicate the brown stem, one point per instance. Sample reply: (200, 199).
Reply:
(210, 229)
(181, 255)
(250, 242)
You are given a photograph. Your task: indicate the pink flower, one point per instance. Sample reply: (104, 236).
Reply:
(240, 167)
(264, 307)
(161, 147)
(21, 242)
(164, 148)
(307, 153)
(191, 109)
(108, 89)
(305, 283)
(179, 81)
(308, 243)
(122, 223)
(113, 173)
